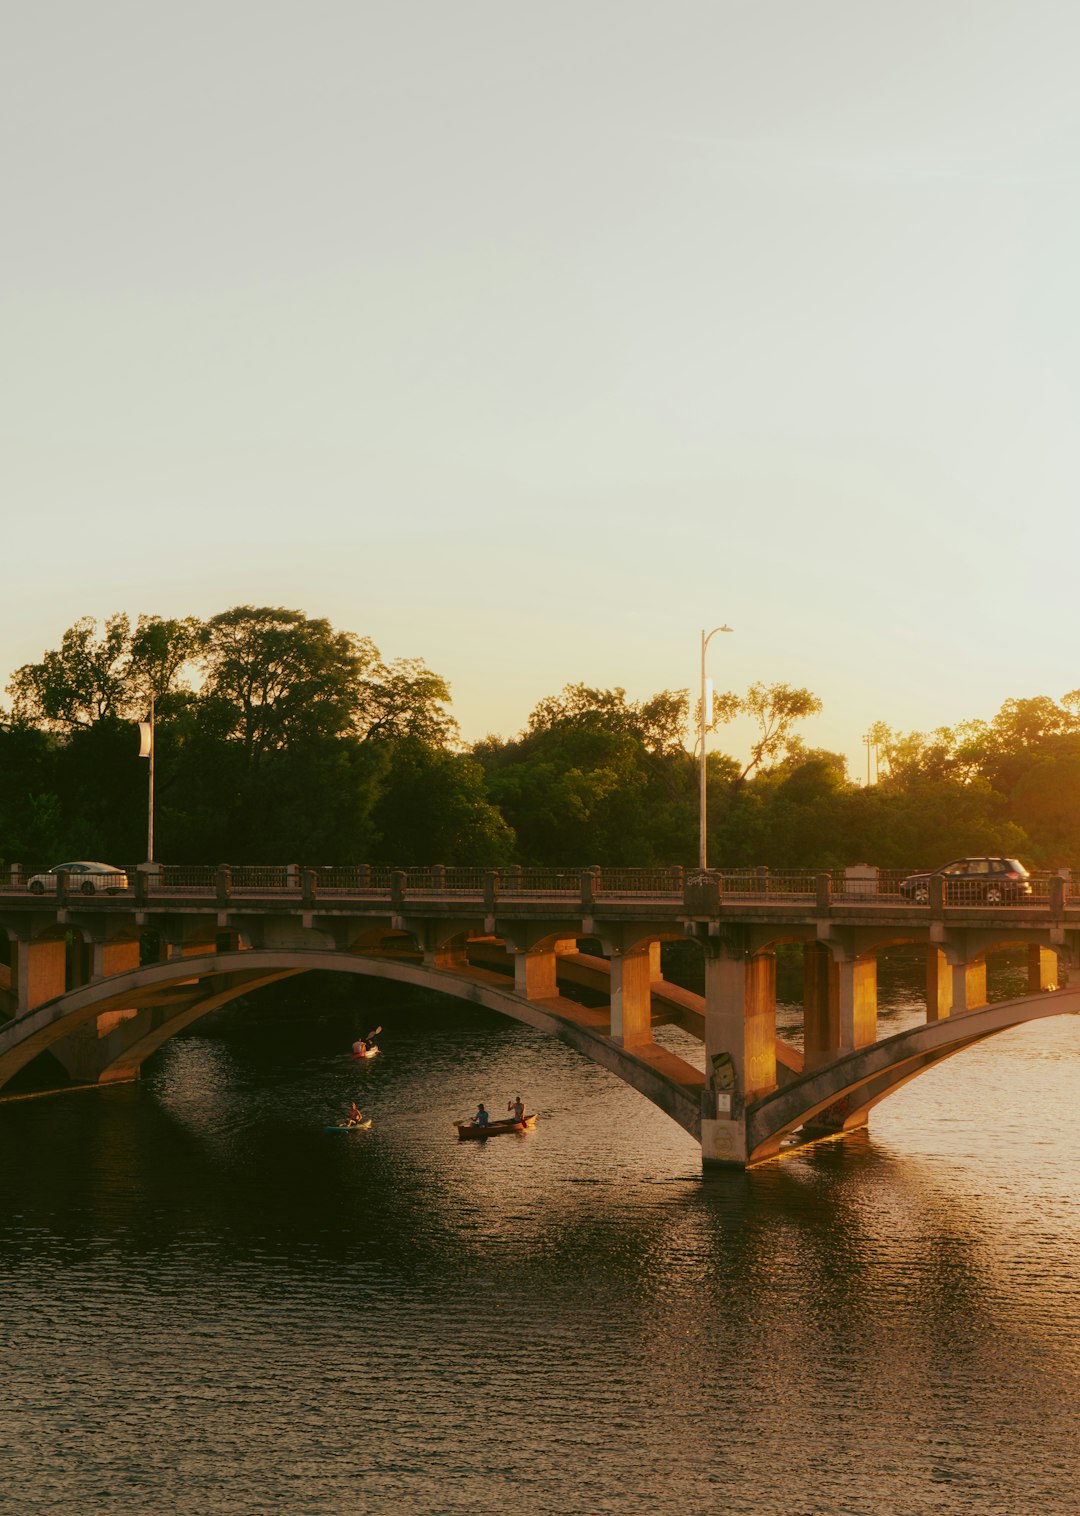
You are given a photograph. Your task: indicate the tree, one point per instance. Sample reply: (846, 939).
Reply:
(160, 650)
(287, 678)
(775, 709)
(434, 808)
(94, 677)
(283, 676)
(79, 683)
(405, 699)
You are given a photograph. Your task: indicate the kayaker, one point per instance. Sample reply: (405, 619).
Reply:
(359, 1047)
(481, 1118)
(355, 1116)
(518, 1108)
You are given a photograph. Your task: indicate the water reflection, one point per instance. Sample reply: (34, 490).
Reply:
(198, 1278)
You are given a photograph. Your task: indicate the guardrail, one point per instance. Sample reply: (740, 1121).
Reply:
(699, 892)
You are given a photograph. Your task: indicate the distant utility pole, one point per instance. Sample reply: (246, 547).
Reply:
(146, 750)
(870, 742)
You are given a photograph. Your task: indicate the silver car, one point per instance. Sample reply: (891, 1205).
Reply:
(88, 878)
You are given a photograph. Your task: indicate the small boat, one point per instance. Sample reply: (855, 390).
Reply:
(367, 1053)
(351, 1126)
(466, 1129)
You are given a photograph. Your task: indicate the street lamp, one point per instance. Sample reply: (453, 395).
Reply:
(146, 750)
(705, 640)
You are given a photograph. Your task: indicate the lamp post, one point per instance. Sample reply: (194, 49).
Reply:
(146, 750)
(706, 638)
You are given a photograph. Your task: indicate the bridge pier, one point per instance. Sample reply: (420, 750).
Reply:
(633, 975)
(968, 985)
(856, 987)
(938, 984)
(1043, 972)
(821, 1006)
(740, 1045)
(38, 971)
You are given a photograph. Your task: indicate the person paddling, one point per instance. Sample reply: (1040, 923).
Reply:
(355, 1116)
(481, 1118)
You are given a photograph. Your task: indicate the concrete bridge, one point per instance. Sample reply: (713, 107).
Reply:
(100, 982)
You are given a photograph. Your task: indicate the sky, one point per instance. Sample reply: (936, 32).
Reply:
(531, 339)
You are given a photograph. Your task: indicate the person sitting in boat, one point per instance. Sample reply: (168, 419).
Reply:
(481, 1118)
(359, 1047)
(355, 1116)
(518, 1107)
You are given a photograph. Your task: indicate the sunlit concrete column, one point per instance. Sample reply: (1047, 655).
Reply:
(450, 955)
(113, 958)
(631, 997)
(857, 994)
(189, 949)
(534, 974)
(107, 958)
(821, 1006)
(939, 984)
(38, 972)
(740, 1046)
(968, 985)
(1042, 969)
(740, 1018)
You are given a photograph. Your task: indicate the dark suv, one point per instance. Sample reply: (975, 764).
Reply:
(972, 881)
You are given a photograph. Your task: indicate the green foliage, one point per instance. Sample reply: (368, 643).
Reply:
(774, 709)
(282, 739)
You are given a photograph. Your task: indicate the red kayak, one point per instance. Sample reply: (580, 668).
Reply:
(494, 1128)
(371, 1053)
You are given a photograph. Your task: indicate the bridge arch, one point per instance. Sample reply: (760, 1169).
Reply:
(859, 1080)
(171, 996)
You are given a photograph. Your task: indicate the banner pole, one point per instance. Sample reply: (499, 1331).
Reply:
(150, 796)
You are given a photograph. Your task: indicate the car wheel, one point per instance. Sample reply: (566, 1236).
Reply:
(112, 892)
(922, 894)
(87, 887)
(994, 894)
(37, 888)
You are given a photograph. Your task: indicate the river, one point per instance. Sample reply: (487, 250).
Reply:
(213, 1305)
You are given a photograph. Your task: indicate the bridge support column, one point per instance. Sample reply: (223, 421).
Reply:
(81, 1052)
(740, 1047)
(534, 974)
(631, 997)
(1042, 969)
(38, 972)
(939, 985)
(821, 1006)
(857, 993)
(969, 985)
(113, 958)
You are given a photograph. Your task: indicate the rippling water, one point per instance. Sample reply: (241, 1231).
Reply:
(212, 1305)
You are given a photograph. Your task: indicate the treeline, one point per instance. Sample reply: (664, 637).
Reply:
(281, 739)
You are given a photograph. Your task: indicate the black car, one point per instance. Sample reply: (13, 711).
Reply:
(973, 881)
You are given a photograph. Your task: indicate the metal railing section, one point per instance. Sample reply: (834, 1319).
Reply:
(1044, 891)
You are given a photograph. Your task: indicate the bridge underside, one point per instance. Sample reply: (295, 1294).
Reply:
(755, 1094)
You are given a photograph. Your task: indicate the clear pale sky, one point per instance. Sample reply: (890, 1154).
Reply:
(531, 338)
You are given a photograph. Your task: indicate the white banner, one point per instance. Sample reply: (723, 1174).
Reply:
(146, 738)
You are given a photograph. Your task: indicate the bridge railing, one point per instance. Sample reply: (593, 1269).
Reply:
(180, 879)
(777, 884)
(353, 879)
(1046, 891)
(650, 884)
(538, 884)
